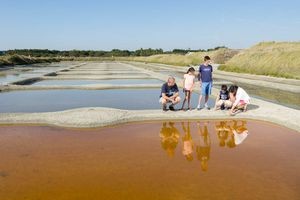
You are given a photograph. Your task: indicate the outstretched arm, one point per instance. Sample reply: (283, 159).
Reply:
(217, 99)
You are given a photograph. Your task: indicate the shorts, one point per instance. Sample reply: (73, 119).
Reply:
(242, 102)
(226, 103)
(206, 88)
(161, 99)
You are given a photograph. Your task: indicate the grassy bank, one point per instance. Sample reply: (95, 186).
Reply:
(193, 58)
(10, 60)
(279, 59)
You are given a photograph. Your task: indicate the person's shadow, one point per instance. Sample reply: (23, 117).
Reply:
(252, 107)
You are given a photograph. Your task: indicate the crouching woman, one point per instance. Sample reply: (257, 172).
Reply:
(239, 98)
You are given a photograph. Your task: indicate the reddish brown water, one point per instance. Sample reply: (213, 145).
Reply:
(152, 160)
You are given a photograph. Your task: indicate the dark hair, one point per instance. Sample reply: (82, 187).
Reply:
(224, 87)
(191, 69)
(206, 58)
(233, 89)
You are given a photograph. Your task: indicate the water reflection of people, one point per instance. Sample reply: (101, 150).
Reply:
(239, 131)
(187, 140)
(203, 148)
(231, 133)
(169, 135)
(222, 130)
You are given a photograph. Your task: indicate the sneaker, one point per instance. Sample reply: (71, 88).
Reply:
(171, 107)
(222, 107)
(206, 106)
(198, 107)
(164, 108)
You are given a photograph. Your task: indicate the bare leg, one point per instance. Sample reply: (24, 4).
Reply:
(177, 100)
(185, 98)
(164, 104)
(206, 98)
(199, 101)
(189, 100)
(245, 107)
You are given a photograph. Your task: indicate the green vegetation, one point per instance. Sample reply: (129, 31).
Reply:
(23, 60)
(221, 55)
(82, 53)
(90, 53)
(176, 57)
(279, 59)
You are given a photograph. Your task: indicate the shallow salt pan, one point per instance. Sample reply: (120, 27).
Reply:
(57, 100)
(109, 81)
(189, 160)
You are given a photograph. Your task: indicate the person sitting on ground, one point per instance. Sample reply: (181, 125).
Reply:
(222, 101)
(169, 94)
(188, 84)
(240, 99)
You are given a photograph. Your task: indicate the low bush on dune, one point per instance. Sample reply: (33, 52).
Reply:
(23, 60)
(192, 58)
(279, 59)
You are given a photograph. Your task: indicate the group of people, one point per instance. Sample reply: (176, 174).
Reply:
(234, 99)
(198, 141)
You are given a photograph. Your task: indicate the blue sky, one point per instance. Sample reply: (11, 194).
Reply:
(133, 24)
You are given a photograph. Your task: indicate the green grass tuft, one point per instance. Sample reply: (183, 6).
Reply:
(278, 59)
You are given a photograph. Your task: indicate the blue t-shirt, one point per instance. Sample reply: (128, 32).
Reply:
(205, 73)
(224, 95)
(169, 90)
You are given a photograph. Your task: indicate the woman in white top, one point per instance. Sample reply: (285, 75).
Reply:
(239, 98)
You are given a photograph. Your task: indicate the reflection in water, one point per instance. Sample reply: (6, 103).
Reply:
(187, 140)
(169, 138)
(127, 162)
(222, 132)
(240, 132)
(203, 149)
(229, 133)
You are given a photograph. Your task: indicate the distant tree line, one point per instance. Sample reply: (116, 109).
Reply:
(100, 53)
(83, 53)
(185, 51)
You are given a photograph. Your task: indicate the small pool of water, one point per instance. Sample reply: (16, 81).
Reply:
(29, 71)
(9, 78)
(56, 100)
(105, 66)
(154, 160)
(108, 81)
(87, 73)
(180, 75)
(176, 74)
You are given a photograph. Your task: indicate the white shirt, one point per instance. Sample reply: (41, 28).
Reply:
(239, 137)
(241, 95)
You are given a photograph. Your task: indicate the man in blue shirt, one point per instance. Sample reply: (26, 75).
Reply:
(169, 94)
(205, 78)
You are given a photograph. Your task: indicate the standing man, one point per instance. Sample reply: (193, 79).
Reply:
(169, 94)
(205, 78)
